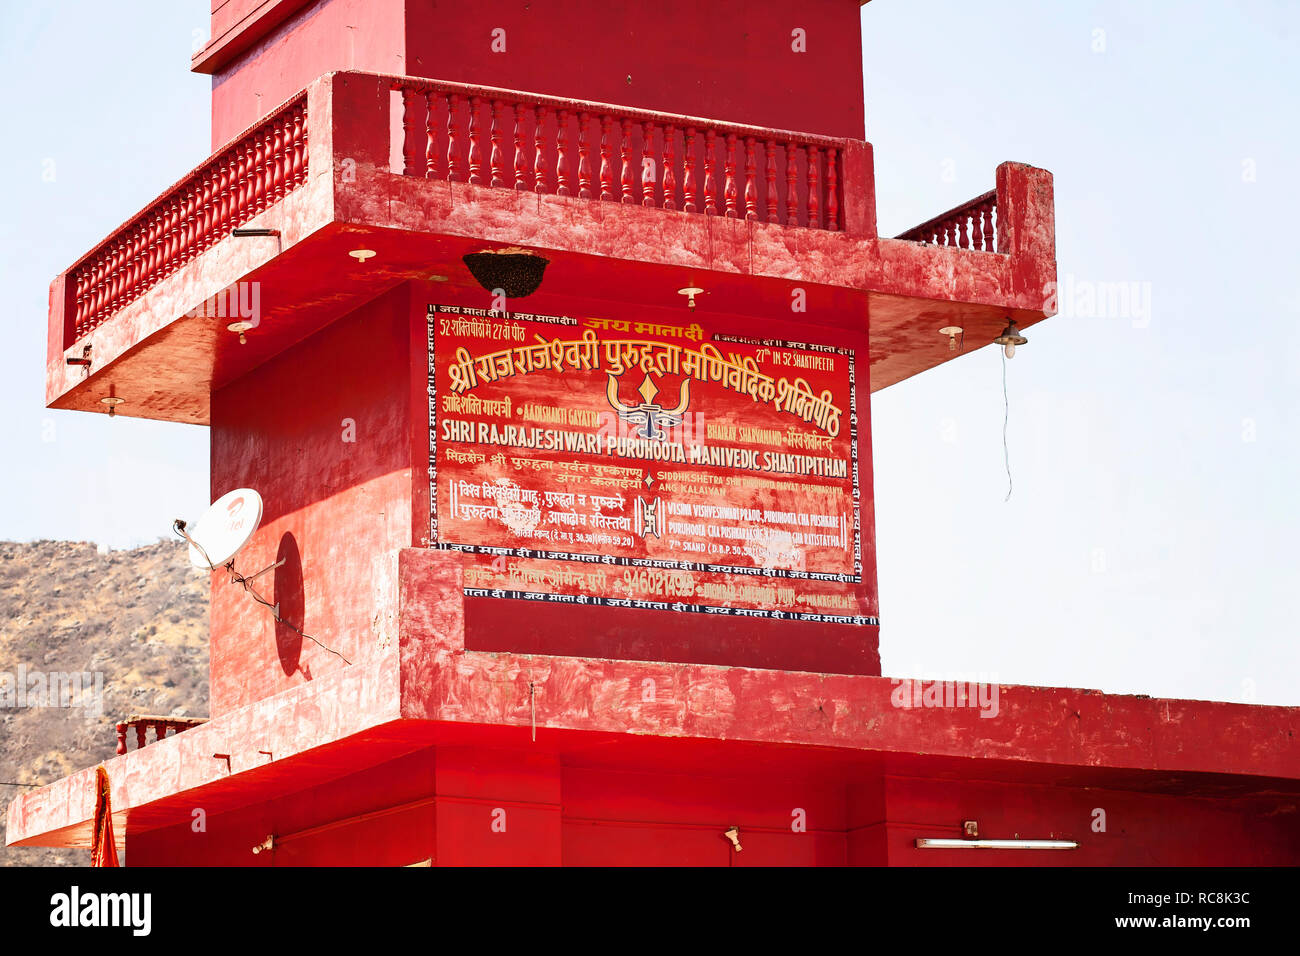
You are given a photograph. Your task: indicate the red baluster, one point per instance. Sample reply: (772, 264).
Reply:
(539, 149)
(751, 180)
(222, 203)
(207, 213)
(142, 254)
(101, 285)
(115, 282)
(670, 179)
(121, 738)
(277, 163)
(988, 228)
(625, 154)
(410, 157)
(773, 200)
(729, 178)
(109, 252)
(120, 269)
(204, 217)
(245, 184)
(200, 215)
(87, 311)
(710, 171)
(562, 154)
(146, 249)
(521, 165)
(584, 158)
(110, 282)
(962, 226)
(430, 137)
(606, 170)
(141, 728)
(647, 164)
(299, 144)
(190, 232)
(211, 201)
(79, 301)
(137, 262)
(791, 185)
(120, 265)
(128, 271)
(268, 171)
(95, 291)
(259, 167)
(285, 163)
(475, 150)
(453, 139)
(495, 167)
(159, 730)
(196, 218)
(832, 191)
(160, 242)
(86, 294)
(814, 191)
(688, 170)
(182, 232)
(176, 218)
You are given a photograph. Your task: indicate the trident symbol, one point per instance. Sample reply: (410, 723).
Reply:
(650, 417)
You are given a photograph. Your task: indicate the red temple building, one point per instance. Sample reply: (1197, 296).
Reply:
(587, 557)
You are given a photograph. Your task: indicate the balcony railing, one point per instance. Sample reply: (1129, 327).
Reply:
(161, 725)
(231, 187)
(969, 226)
(534, 143)
(481, 136)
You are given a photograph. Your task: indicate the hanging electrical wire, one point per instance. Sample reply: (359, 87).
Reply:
(178, 526)
(1006, 417)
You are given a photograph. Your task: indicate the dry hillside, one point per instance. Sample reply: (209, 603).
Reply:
(139, 617)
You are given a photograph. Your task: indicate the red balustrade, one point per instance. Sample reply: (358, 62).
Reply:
(624, 155)
(142, 723)
(971, 226)
(663, 161)
(234, 185)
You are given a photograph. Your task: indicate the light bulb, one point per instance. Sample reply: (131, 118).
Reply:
(1009, 350)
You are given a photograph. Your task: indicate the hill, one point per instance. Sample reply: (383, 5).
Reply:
(139, 618)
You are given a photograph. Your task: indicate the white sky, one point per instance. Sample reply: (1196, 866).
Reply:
(1149, 545)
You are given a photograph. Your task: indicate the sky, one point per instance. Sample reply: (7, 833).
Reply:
(1149, 543)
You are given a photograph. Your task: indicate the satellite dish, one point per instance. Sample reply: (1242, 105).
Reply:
(224, 528)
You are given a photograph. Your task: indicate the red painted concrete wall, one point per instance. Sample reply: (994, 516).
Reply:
(322, 37)
(338, 510)
(335, 509)
(730, 61)
(442, 804)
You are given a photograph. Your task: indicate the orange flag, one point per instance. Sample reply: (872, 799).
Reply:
(103, 851)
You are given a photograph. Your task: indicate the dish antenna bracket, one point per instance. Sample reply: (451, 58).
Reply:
(219, 535)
